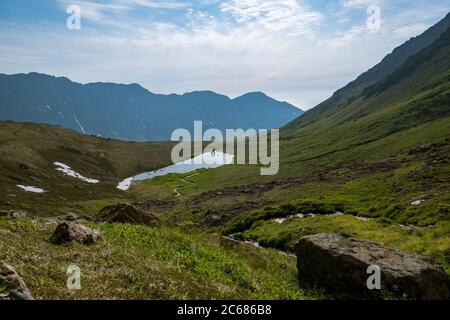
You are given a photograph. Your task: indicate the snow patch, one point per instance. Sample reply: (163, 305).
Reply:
(31, 189)
(417, 202)
(363, 218)
(69, 172)
(125, 184)
(79, 124)
(303, 216)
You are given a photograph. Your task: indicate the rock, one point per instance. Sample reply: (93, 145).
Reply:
(23, 167)
(420, 149)
(126, 213)
(213, 220)
(74, 217)
(12, 286)
(70, 217)
(11, 214)
(4, 213)
(69, 231)
(339, 263)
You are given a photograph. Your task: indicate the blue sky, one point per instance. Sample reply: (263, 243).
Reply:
(298, 51)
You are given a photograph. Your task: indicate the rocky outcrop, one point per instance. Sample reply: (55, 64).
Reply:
(339, 263)
(126, 213)
(69, 231)
(12, 286)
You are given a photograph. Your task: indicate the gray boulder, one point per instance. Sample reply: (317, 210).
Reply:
(339, 263)
(69, 231)
(12, 286)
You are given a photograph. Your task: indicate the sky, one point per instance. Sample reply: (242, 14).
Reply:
(299, 51)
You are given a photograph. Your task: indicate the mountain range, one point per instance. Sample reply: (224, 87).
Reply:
(130, 112)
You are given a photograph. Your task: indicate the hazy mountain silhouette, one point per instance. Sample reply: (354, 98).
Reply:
(130, 112)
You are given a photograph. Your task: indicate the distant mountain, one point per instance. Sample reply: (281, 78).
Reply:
(352, 91)
(130, 112)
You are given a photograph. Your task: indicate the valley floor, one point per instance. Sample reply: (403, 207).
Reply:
(396, 196)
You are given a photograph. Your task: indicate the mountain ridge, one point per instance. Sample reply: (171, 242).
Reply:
(130, 111)
(347, 94)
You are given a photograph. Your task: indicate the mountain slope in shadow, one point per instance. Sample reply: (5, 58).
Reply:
(130, 112)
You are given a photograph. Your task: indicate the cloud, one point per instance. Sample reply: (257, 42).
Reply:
(359, 3)
(157, 4)
(290, 16)
(349, 36)
(411, 30)
(112, 13)
(285, 48)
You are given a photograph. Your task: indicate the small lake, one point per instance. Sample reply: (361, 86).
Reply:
(204, 161)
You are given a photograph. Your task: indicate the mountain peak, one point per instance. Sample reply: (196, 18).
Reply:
(130, 112)
(255, 94)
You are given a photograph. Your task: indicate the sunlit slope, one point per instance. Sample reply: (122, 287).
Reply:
(415, 98)
(27, 156)
(352, 91)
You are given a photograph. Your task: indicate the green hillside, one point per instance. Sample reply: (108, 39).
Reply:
(28, 152)
(352, 91)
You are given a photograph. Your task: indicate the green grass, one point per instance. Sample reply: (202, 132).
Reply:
(138, 262)
(434, 241)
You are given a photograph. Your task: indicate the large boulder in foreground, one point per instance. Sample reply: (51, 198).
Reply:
(339, 263)
(69, 231)
(12, 286)
(126, 213)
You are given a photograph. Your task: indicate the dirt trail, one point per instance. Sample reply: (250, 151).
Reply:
(188, 183)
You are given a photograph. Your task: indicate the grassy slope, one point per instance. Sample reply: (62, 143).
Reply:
(136, 262)
(27, 154)
(433, 240)
(346, 95)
